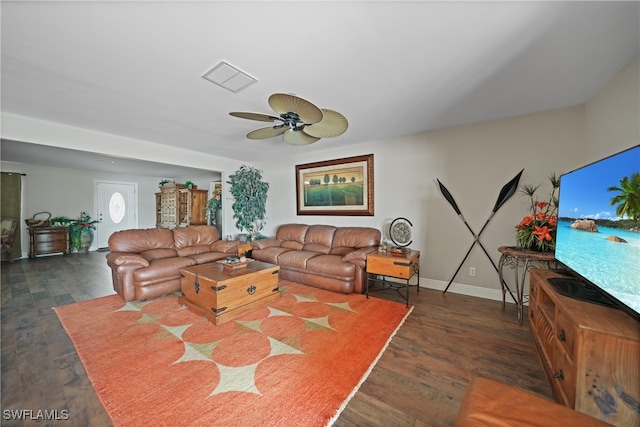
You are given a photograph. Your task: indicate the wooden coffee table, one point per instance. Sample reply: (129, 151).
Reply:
(220, 295)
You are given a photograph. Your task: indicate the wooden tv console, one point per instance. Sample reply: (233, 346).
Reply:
(590, 353)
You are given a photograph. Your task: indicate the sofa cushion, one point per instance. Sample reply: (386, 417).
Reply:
(140, 240)
(195, 235)
(292, 232)
(356, 237)
(319, 238)
(269, 254)
(331, 265)
(314, 247)
(158, 254)
(193, 250)
(296, 259)
(292, 244)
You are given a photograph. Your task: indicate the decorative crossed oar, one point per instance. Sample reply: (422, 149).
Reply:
(507, 191)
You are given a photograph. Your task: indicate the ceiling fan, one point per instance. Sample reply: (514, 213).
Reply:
(298, 121)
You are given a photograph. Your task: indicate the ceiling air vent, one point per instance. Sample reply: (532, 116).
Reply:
(229, 77)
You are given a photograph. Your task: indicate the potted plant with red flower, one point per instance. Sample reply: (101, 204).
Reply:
(537, 230)
(81, 233)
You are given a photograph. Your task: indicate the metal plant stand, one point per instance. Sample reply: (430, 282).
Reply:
(516, 258)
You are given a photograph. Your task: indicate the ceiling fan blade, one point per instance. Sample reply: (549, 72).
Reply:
(255, 116)
(298, 137)
(283, 103)
(332, 124)
(268, 132)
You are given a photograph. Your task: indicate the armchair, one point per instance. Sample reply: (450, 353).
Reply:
(9, 227)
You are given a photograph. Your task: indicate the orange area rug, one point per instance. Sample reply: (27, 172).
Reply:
(294, 362)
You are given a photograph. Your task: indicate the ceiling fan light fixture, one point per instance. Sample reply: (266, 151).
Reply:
(297, 137)
(300, 121)
(229, 77)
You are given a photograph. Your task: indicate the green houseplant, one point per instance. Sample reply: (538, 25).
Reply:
(214, 203)
(250, 199)
(81, 233)
(61, 221)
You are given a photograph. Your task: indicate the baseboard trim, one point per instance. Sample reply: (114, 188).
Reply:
(461, 288)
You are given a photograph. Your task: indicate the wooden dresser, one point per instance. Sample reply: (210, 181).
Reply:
(590, 353)
(48, 240)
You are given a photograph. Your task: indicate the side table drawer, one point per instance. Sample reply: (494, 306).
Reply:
(396, 267)
(50, 237)
(52, 247)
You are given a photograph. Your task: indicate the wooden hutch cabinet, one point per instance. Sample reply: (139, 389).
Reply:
(177, 206)
(192, 205)
(590, 353)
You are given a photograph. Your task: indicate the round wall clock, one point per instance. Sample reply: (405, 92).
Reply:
(400, 232)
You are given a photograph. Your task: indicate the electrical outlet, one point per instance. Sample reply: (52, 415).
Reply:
(472, 271)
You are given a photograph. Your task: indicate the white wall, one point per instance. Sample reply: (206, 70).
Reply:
(75, 187)
(473, 162)
(613, 115)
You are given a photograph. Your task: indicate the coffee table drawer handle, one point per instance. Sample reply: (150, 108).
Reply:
(251, 290)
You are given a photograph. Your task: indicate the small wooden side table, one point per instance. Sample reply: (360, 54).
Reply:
(400, 267)
(243, 248)
(515, 257)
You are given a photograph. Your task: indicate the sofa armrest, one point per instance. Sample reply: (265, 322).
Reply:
(490, 403)
(265, 243)
(359, 256)
(126, 258)
(225, 246)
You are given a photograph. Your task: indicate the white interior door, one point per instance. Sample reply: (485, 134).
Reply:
(117, 209)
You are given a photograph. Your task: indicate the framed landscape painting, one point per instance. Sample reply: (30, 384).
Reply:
(336, 187)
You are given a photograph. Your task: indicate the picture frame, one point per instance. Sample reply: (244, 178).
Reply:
(336, 187)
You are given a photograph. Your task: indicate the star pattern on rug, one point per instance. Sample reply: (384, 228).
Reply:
(241, 378)
(237, 378)
(133, 306)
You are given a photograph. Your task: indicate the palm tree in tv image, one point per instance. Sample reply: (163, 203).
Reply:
(628, 201)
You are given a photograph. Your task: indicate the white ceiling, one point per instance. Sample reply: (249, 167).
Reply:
(391, 67)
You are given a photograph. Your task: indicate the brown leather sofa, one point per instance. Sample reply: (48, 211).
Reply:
(323, 256)
(146, 263)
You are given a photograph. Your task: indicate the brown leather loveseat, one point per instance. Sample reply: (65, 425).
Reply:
(323, 256)
(146, 263)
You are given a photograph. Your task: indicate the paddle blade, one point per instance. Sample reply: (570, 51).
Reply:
(449, 197)
(507, 191)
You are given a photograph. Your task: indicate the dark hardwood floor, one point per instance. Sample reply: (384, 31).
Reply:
(419, 381)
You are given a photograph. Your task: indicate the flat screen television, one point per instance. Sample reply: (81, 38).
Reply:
(602, 266)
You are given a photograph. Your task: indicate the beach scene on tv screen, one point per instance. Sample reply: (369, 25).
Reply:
(598, 234)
